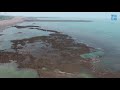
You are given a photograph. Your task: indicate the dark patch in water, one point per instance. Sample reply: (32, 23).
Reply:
(35, 27)
(19, 27)
(19, 32)
(1, 34)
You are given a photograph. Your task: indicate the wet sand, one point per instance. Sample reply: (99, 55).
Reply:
(10, 22)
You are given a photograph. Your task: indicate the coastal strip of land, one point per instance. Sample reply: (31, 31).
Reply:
(10, 22)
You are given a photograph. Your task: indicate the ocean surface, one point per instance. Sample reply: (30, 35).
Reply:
(100, 33)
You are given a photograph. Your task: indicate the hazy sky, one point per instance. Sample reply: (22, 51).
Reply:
(64, 14)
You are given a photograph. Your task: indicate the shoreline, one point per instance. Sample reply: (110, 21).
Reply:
(10, 22)
(56, 55)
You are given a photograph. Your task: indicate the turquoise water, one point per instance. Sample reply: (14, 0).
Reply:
(101, 33)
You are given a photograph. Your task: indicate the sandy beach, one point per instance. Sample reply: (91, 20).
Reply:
(10, 22)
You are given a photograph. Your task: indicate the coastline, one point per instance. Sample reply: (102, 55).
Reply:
(55, 55)
(10, 22)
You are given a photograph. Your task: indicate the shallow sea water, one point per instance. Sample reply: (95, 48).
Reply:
(103, 34)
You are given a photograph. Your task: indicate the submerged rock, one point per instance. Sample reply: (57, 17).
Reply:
(91, 55)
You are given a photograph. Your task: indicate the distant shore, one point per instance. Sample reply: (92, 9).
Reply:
(59, 20)
(10, 22)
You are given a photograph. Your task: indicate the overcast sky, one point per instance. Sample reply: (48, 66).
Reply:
(64, 14)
